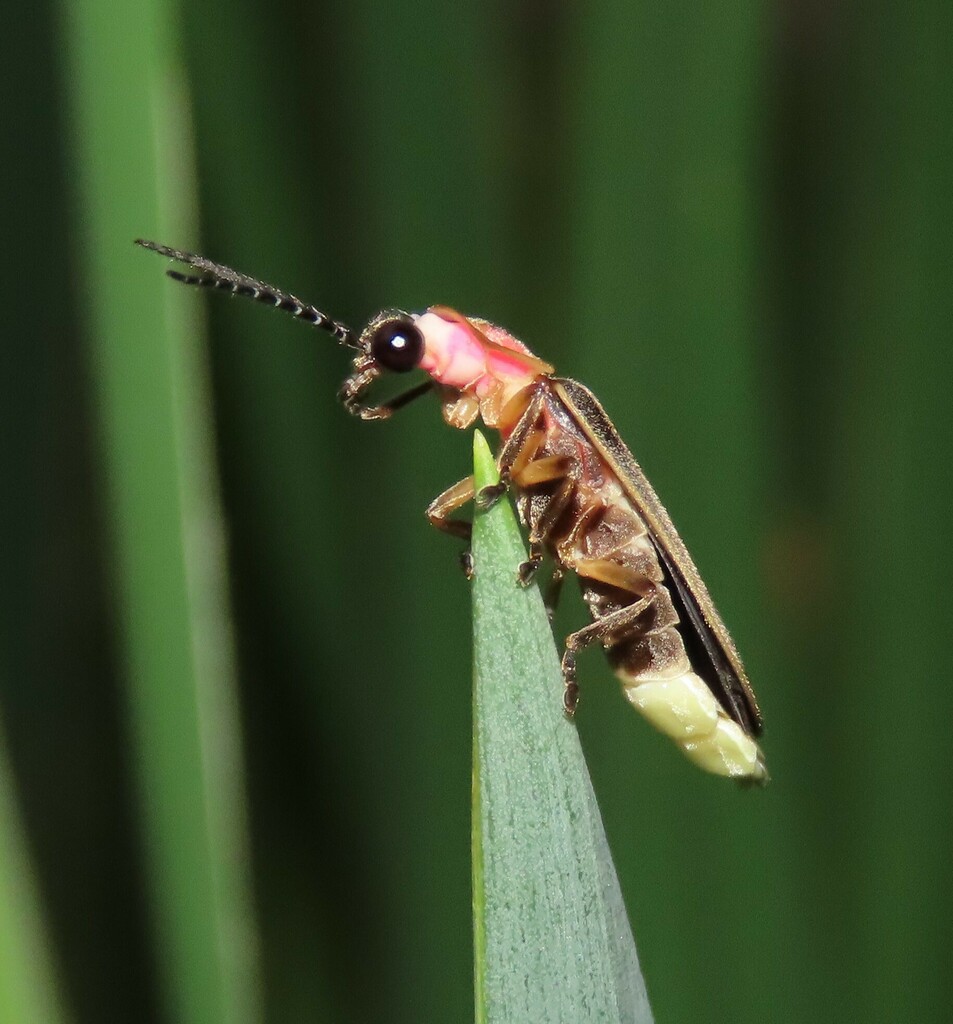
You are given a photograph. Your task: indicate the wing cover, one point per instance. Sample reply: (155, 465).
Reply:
(708, 643)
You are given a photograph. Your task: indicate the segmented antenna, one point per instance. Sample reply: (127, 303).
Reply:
(221, 278)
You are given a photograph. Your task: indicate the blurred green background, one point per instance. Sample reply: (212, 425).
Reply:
(235, 660)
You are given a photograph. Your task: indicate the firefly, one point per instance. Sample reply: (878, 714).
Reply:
(582, 498)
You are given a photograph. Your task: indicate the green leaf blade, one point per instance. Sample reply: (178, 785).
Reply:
(29, 985)
(552, 939)
(166, 532)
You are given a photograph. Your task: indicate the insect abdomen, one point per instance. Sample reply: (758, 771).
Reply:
(603, 539)
(649, 655)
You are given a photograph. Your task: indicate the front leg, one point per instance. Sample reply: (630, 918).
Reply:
(517, 451)
(442, 508)
(445, 504)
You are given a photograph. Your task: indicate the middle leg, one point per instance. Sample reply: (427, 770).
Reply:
(518, 449)
(543, 526)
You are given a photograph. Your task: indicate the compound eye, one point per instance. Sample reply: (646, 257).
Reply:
(397, 345)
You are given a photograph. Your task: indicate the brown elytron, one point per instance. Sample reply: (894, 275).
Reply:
(583, 500)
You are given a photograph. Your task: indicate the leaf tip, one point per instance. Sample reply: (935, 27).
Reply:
(485, 472)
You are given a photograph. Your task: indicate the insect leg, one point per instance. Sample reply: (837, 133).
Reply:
(545, 524)
(363, 376)
(539, 471)
(524, 436)
(601, 630)
(607, 571)
(406, 397)
(444, 505)
(526, 572)
(551, 597)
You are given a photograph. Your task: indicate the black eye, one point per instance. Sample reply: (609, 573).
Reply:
(397, 345)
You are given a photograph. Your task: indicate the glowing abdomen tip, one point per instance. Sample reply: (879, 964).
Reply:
(727, 751)
(684, 708)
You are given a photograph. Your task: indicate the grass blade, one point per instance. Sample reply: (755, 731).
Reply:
(29, 988)
(131, 149)
(552, 939)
